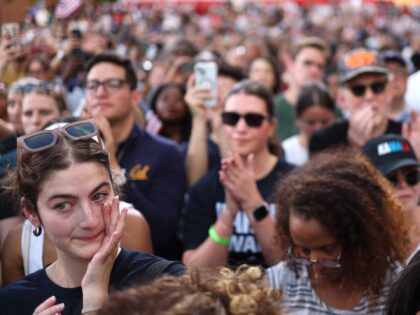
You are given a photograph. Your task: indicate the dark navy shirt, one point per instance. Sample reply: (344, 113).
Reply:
(336, 135)
(155, 185)
(23, 296)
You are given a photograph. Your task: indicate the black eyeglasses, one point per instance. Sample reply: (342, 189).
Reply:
(110, 85)
(411, 177)
(45, 139)
(326, 262)
(360, 89)
(252, 119)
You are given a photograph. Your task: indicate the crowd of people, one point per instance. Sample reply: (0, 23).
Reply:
(289, 185)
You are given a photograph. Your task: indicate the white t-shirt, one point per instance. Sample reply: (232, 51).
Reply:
(294, 152)
(412, 94)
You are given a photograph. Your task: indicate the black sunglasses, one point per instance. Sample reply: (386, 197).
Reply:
(252, 119)
(360, 89)
(412, 178)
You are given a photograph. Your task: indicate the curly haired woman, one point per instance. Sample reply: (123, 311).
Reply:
(220, 291)
(344, 236)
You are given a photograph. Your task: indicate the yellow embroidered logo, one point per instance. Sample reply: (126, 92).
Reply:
(139, 173)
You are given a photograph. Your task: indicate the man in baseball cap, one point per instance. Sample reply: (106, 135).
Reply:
(395, 158)
(390, 153)
(363, 95)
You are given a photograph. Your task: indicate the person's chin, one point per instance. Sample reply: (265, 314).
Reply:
(87, 252)
(329, 275)
(243, 151)
(242, 147)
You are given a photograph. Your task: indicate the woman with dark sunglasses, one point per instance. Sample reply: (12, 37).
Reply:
(342, 234)
(228, 218)
(66, 189)
(395, 158)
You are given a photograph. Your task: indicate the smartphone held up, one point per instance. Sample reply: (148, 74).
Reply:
(205, 73)
(10, 33)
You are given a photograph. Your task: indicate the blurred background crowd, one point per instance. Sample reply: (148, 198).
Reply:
(321, 74)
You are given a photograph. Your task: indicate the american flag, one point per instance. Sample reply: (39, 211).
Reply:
(65, 8)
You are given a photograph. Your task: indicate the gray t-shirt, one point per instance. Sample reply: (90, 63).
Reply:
(300, 298)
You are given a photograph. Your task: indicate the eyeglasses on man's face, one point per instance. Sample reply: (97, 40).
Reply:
(110, 85)
(359, 90)
(295, 254)
(253, 120)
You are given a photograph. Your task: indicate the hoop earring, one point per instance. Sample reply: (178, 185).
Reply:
(37, 231)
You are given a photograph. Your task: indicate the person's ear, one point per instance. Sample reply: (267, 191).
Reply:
(29, 212)
(273, 125)
(135, 98)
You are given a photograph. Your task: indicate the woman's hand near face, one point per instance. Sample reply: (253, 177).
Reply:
(49, 307)
(96, 280)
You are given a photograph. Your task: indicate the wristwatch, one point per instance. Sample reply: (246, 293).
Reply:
(260, 212)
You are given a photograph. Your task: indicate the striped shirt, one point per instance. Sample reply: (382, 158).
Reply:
(300, 298)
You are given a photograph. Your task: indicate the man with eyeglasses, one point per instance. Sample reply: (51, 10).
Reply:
(152, 166)
(396, 159)
(363, 95)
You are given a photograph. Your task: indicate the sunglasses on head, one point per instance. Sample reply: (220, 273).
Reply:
(45, 139)
(360, 89)
(47, 87)
(252, 119)
(411, 177)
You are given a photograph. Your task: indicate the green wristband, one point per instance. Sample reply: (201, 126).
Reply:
(216, 238)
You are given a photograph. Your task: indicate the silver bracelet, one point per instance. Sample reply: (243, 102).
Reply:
(90, 309)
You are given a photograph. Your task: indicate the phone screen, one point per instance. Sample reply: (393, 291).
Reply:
(10, 32)
(206, 76)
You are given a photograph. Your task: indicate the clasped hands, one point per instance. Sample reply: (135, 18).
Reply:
(237, 176)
